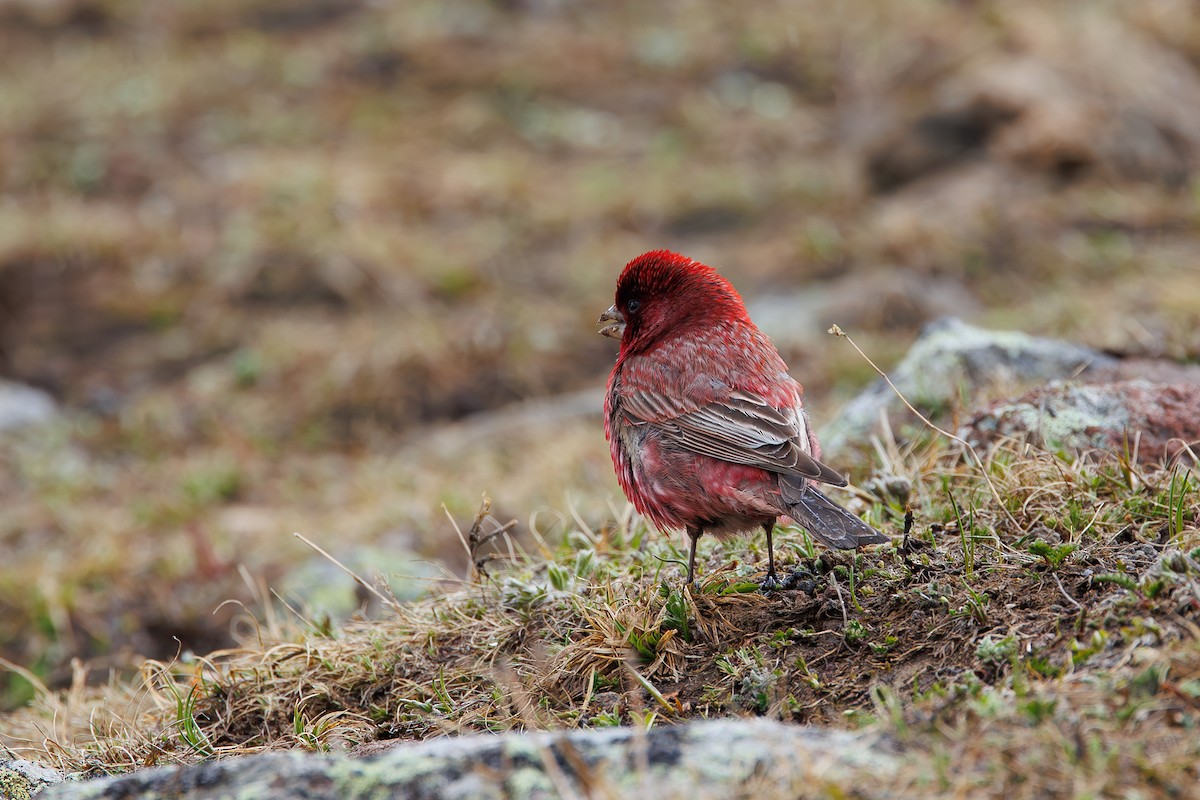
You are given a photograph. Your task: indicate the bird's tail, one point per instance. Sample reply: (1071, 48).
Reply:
(826, 520)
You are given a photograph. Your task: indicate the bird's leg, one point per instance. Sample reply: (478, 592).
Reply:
(771, 583)
(694, 534)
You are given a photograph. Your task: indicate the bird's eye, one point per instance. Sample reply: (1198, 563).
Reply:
(633, 305)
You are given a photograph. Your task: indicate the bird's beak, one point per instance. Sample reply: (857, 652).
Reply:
(615, 328)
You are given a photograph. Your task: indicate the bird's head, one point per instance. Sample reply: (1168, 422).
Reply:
(661, 293)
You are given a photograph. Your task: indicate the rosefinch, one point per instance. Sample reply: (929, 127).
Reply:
(707, 430)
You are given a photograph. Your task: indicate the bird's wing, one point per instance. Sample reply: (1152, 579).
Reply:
(826, 520)
(743, 429)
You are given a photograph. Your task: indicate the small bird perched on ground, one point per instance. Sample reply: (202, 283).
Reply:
(707, 429)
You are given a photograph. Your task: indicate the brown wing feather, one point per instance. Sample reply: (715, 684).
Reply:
(744, 429)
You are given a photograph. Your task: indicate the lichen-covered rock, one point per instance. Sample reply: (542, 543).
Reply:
(21, 780)
(1154, 422)
(951, 356)
(701, 760)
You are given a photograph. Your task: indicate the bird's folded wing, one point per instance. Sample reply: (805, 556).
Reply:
(743, 429)
(826, 520)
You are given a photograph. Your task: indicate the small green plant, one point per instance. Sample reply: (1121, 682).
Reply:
(560, 576)
(882, 648)
(976, 605)
(607, 683)
(1053, 555)
(855, 633)
(996, 652)
(736, 587)
(306, 734)
(190, 730)
(586, 562)
(965, 534)
(1126, 582)
(1076, 519)
(608, 718)
(758, 686)
(675, 611)
(1038, 709)
(1144, 629)
(755, 681)
(807, 548)
(644, 642)
(1152, 587)
(806, 673)
(1042, 667)
(782, 638)
(1081, 652)
(1177, 502)
(644, 719)
(526, 595)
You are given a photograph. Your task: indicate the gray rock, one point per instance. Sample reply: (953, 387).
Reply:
(950, 356)
(22, 405)
(21, 779)
(696, 760)
(1153, 422)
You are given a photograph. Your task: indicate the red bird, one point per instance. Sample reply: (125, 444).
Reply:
(707, 429)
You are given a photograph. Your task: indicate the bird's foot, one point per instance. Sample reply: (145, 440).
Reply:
(770, 583)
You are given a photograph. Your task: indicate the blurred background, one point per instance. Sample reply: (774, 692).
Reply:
(329, 266)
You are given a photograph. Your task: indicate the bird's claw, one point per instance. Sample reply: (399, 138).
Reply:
(770, 584)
